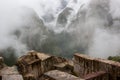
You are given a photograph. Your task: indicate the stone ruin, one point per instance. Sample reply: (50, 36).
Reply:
(40, 66)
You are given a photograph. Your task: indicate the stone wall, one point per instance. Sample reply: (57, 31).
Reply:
(84, 65)
(40, 66)
(36, 64)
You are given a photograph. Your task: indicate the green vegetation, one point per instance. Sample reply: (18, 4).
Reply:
(9, 56)
(114, 58)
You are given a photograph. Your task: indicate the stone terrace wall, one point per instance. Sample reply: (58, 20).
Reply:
(84, 65)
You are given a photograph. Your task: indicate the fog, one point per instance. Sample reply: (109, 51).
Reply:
(60, 27)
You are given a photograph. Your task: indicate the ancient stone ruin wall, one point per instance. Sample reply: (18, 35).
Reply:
(85, 66)
(40, 66)
(36, 64)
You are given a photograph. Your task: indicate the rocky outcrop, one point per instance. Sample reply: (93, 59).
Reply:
(63, 17)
